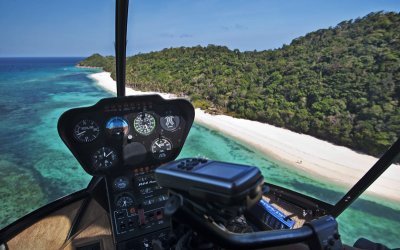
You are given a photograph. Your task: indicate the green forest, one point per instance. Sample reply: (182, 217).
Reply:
(340, 84)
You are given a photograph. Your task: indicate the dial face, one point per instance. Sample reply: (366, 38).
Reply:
(144, 123)
(104, 158)
(170, 122)
(86, 131)
(161, 148)
(117, 126)
(124, 201)
(121, 183)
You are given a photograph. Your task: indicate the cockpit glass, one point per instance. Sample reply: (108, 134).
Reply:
(322, 76)
(374, 217)
(40, 47)
(308, 91)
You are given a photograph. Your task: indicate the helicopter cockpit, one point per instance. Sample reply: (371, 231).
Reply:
(130, 142)
(142, 196)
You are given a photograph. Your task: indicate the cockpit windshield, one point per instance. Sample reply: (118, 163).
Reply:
(307, 91)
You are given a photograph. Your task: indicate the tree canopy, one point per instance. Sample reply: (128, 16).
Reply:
(341, 84)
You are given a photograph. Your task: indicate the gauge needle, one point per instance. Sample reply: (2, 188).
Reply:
(107, 155)
(158, 145)
(84, 131)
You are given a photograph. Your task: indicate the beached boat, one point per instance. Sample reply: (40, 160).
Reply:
(140, 198)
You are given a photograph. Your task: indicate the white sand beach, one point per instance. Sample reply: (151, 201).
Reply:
(317, 157)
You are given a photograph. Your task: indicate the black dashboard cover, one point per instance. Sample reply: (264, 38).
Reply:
(133, 149)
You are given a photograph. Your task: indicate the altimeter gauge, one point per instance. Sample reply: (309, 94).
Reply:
(104, 158)
(161, 148)
(144, 123)
(86, 131)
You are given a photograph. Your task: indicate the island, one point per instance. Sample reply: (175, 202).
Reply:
(327, 104)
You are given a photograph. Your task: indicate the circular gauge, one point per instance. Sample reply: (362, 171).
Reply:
(86, 131)
(170, 122)
(117, 126)
(124, 201)
(121, 183)
(144, 123)
(161, 147)
(104, 158)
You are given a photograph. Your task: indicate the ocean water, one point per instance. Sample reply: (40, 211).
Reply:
(34, 163)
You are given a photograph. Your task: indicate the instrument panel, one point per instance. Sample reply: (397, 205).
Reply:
(125, 139)
(123, 133)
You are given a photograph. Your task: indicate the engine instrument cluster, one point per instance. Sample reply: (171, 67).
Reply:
(136, 205)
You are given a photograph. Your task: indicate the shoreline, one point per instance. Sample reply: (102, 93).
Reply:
(318, 158)
(87, 67)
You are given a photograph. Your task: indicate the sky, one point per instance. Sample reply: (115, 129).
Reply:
(83, 27)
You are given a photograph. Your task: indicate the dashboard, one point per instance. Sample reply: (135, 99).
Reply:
(124, 139)
(118, 134)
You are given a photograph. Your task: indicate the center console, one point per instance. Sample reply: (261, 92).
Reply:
(136, 205)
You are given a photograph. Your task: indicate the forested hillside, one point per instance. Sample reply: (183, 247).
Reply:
(341, 84)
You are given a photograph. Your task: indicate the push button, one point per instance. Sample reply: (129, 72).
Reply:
(142, 218)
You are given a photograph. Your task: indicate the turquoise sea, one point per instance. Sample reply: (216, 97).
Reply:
(36, 168)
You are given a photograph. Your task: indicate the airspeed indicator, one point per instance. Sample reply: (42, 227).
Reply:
(86, 131)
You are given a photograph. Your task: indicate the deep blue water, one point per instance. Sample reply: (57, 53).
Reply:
(36, 167)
